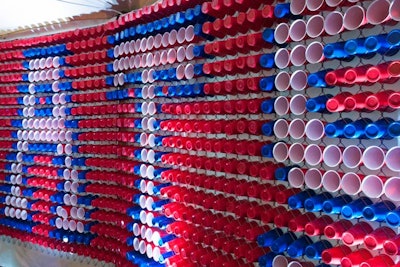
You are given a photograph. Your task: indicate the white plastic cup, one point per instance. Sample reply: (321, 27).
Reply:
(150, 43)
(49, 62)
(138, 45)
(151, 78)
(143, 45)
(296, 177)
(281, 33)
(43, 75)
(282, 58)
(116, 51)
(157, 58)
(331, 181)
(144, 60)
(144, 108)
(392, 158)
(298, 55)
(313, 155)
(157, 41)
(281, 128)
(280, 261)
(80, 213)
(297, 30)
(132, 62)
(54, 87)
(126, 48)
(354, 17)
(189, 71)
(315, 52)
(189, 34)
(298, 80)
(297, 128)
(315, 129)
(59, 223)
(181, 36)
(332, 155)
(282, 81)
(145, 76)
(298, 7)
(394, 10)
(296, 153)
(80, 227)
(164, 57)
(296, 264)
(281, 105)
(333, 23)
(378, 12)
(121, 79)
(352, 156)
(152, 109)
(151, 140)
(280, 151)
(189, 52)
(172, 38)
(171, 56)
(149, 60)
(67, 199)
(333, 3)
(31, 77)
(180, 72)
(372, 186)
(138, 61)
(150, 124)
(143, 139)
(74, 212)
(315, 5)
(351, 183)
(374, 158)
(313, 179)
(72, 226)
(132, 47)
(143, 170)
(181, 54)
(143, 155)
(165, 40)
(391, 188)
(298, 104)
(73, 200)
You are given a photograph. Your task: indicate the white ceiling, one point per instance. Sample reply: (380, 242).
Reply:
(22, 13)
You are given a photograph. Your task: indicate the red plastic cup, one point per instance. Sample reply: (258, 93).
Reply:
(282, 220)
(336, 229)
(269, 193)
(394, 68)
(392, 246)
(335, 254)
(394, 100)
(355, 258)
(356, 75)
(298, 224)
(375, 239)
(282, 196)
(378, 73)
(336, 77)
(317, 226)
(355, 235)
(378, 261)
(256, 212)
(379, 101)
(356, 102)
(269, 215)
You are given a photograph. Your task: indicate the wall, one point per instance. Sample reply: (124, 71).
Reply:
(232, 133)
